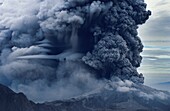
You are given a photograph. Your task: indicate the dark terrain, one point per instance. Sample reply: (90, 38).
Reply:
(104, 99)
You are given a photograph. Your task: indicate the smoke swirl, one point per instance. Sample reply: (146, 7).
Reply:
(63, 48)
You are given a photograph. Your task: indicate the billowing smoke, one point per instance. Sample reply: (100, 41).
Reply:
(63, 48)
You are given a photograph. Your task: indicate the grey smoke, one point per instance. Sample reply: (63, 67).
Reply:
(63, 48)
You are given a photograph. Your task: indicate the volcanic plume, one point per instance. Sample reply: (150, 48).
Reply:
(63, 48)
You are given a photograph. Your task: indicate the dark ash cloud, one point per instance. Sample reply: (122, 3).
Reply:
(63, 48)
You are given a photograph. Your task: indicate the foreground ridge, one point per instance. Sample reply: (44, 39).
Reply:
(113, 96)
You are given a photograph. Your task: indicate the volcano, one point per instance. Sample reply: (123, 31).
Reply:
(75, 55)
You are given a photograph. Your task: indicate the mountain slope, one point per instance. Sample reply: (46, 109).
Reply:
(10, 101)
(113, 96)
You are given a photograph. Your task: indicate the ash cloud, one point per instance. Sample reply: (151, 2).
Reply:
(63, 48)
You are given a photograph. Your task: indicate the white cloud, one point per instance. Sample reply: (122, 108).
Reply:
(157, 27)
(153, 95)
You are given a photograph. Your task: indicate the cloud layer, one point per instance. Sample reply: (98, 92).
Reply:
(158, 25)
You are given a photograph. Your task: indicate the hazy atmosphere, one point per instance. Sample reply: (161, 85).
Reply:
(155, 35)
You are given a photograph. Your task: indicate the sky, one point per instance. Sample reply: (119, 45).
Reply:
(157, 27)
(156, 39)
